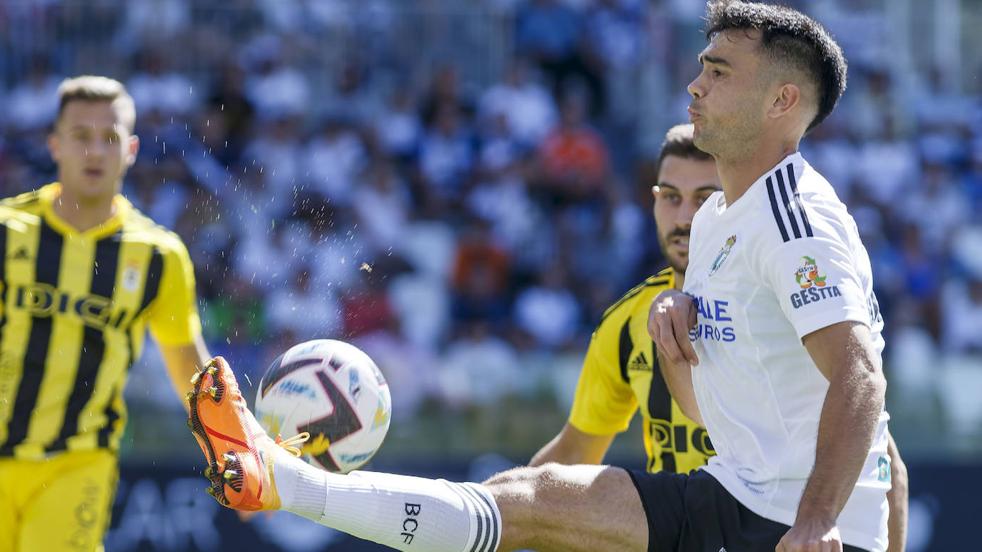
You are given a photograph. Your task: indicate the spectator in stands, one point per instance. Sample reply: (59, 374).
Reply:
(446, 157)
(529, 109)
(549, 311)
(573, 160)
(480, 278)
(551, 34)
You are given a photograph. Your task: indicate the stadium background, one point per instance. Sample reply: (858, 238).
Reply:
(461, 188)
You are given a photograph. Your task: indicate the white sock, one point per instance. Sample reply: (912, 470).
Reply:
(405, 513)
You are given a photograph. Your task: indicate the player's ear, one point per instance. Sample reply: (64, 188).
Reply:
(132, 149)
(54, 146)
(788, 97)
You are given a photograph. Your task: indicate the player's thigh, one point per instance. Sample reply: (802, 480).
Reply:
(569, 508)
(72, 512)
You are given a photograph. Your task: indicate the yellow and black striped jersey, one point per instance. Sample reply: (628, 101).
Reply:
(620, 375)
(75, 306)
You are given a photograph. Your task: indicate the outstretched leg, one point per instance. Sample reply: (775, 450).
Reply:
(569, 508)
(553, 507)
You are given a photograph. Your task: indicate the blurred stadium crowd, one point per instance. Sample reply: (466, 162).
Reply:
(461, 189)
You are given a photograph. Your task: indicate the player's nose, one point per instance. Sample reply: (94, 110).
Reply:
(695, 88)
(686, 213)
(95, 149)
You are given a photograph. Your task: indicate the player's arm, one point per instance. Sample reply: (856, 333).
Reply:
(844, 353)
(897, 499)
(183, 361)
(174, 322)
(671, 317)
(572, 446)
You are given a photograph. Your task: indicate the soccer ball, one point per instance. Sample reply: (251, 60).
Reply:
(332, 390)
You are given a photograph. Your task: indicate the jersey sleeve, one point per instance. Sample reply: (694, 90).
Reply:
(174, 316)
(604, 403)
(817, 278)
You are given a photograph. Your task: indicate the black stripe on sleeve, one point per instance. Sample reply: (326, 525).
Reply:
(797, 201)
(776, 210)
(93, 340)
(624, 347)
(151, 287)
(47, 267)
(786, 201)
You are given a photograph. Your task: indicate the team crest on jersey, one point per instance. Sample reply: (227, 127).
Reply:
(807, 274)
(723, 254)
(131, 277)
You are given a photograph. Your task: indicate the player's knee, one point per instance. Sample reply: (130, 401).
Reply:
(525, 495)
(539, 485)
(546, 487)
(553, 484)
(516, 482)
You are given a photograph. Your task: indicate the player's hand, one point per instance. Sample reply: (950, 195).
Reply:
(811, 536)
(672, 315)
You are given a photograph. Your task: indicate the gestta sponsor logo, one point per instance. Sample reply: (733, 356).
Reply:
(814, 286)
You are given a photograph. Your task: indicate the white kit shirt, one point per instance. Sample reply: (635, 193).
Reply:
(782, 261)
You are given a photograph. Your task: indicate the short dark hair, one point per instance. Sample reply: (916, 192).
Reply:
(791, 37)
(678, 142)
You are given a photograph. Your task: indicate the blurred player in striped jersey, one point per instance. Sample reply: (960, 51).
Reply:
(84, 274)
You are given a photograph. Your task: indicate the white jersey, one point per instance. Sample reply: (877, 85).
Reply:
(782, 261)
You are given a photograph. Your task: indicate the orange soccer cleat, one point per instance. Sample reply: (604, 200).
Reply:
(239, 453)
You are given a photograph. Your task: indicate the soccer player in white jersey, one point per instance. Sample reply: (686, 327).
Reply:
(775, 345)
(782, 366)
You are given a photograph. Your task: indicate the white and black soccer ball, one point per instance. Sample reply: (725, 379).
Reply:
(332, 390)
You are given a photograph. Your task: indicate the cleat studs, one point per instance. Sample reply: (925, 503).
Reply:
(211, 491)
(195, 378)
(216, 392)
(233, 479)
(189, 396)
(209, 472)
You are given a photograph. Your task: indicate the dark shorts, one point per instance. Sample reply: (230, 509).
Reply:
(694, 513)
